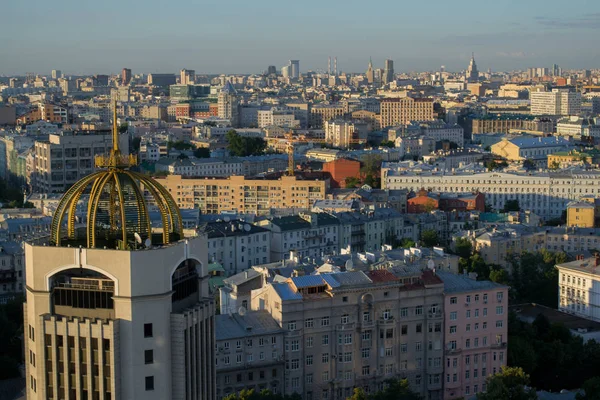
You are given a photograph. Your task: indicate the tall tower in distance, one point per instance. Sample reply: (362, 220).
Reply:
(118, 308)
(370, 72)
(388, 74)
(294, 69)
(125, 76)
(228, 104)
(56, 73)
(187, 77)
(472, 75)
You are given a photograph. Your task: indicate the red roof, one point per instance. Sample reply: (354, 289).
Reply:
(381, 275)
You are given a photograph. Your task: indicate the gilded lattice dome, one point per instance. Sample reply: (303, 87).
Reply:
(117, 212)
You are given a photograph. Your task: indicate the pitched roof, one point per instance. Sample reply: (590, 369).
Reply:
(254, 323)
(454, 283)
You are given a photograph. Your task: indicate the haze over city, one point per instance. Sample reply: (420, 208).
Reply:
(234, 36)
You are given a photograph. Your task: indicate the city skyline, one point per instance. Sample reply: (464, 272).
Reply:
(251, 38)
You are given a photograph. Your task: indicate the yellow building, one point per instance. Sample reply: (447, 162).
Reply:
(236, 193)
(581, 214)
(396, 111)
(566, 159)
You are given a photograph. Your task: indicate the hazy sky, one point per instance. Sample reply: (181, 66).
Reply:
(241, 36)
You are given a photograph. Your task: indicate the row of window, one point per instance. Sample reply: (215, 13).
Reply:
(454, 314)
(499, 298)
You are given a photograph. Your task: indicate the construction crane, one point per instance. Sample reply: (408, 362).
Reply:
(291, 141)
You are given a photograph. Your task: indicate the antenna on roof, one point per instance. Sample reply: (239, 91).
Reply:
(148, 243)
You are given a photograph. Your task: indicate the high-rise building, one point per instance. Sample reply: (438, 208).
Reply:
(388, 73)
(163, 80)
(228, 104)
(556, 102)
(56, 73)
(403, 110)
(472, 75)
(187, 77)
(285, 71)
(271, 70)
(294, 69)
(125, 76)
(370, 73)
(118, 308)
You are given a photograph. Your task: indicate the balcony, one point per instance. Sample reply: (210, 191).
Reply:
(387, 321)
(501, 345)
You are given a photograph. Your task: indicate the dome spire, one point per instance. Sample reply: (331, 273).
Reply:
(115, 130)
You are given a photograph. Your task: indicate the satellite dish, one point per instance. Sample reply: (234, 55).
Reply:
(430, 264)
(138, 238)
(226, 219)
(242, 311)
(247, 228)
(148, 243)
(349, 265)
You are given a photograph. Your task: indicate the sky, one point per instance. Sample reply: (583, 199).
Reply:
(241, 36)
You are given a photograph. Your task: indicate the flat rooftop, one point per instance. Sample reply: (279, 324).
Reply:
(530, 311)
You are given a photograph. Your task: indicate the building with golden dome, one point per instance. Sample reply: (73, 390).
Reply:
(117, 308)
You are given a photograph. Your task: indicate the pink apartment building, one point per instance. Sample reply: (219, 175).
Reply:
(476, 332)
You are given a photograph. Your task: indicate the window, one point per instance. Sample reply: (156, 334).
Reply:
(499, 297)
(387, 314)
(476, 327)
(292, 325)
(273, 339)
(238, 358)
(419, 310)
(148, 331)
(261, 341)
(403, 348)
(476, 298)
(238, 344)
(325, 340)
(325, 321)
(249, 342)
(295, 345)
(499, 310)
(453, 345)
(261, 356)
(366, 353)
(148, 356)
(250, 357)
(467, 374)
(467, 360)
(295, 382)
(453, 300)
(309, 341)
(468, 343)
(149, 383)
(404, 312)
(453, 316)
(468, 313)
(468, 298)
(366, 370)
(309, 360)
(499, 324)
(226, 360)
(485, 312)
(366, 316)
(389, 351)
(345, 299)
(325, 358)
(418, 346)
(345, 319)
(308, 323)
(295, 364)
(366, 335)
(476, 312)
(325, 376)
(309, 379)
(419, 328)
(485, 297)
(347, 338)
(468, 328)
(404, 329)
(453, 329)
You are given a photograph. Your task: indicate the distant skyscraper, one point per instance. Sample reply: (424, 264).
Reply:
(228, 104)
(388, 74)
(125, 76)
(472, 72)
(294, 69)
(56, 73)
(285, 71)
(370, 72)
(556, 70)
(271, 70)
(187, 77)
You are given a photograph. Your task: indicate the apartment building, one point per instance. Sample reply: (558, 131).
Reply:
(439, 130)
(557, 102)
(12, 266)
(321, 113)
(369, 230)
(578, 287)
(277, 117)
(356, 329)
(237, 245)
(65, 158)
(305, 235)
(239, 194)
(573, 240)
(219, 167)
(493, 123)
(545, 193)
(249, 353)
(397, 111)
(44, 111)
(344, 134)
(475, 332)
(578, 127)
(497, 245)
(581, 214)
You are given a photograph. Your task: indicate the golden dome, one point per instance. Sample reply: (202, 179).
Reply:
(117, 209)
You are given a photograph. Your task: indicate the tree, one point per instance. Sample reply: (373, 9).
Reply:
(179, 145)
(528, 164)
(370, 170)
(429, 238)
(554, 165)
(387, 143)
(511, 205)
(509, 384)
(406, 243)
(463, 247)
(202, 152)
(352, 182)
(240, 146)
(499, 275)
(591, 389)
(395, 389)
(135, 144)
(358, 394)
